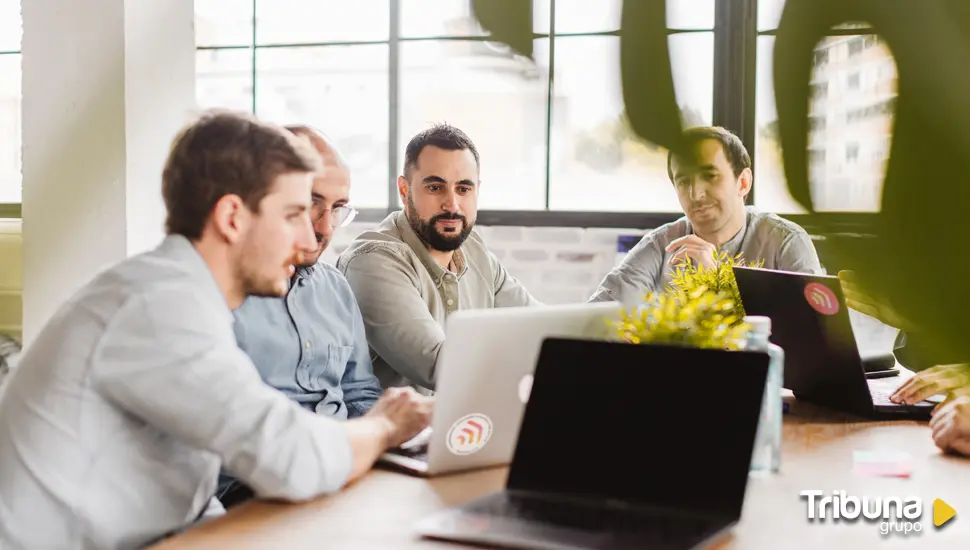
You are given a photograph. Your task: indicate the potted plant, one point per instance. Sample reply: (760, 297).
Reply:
(701, 307)
(690, 276)
(697, 318)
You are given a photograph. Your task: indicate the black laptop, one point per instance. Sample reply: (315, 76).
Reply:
(611, 455)
(823, 365)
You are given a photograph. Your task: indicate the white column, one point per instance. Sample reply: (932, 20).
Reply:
(106, 85)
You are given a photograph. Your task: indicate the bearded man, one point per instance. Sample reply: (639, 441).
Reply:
(426, 261)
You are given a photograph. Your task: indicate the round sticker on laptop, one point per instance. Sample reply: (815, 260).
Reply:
(469, 434)
(821, 298)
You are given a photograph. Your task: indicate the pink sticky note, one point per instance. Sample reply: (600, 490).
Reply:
(882, 463)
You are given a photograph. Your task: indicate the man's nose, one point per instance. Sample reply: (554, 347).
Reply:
(450, 203)
(306, 239)
(697, 190)
(324, 225)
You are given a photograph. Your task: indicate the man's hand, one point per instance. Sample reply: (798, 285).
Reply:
(953, 380)
(697, 249)
(858, 299)
(404, 412)
(951, 426)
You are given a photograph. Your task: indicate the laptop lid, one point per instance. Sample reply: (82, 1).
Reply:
(485, 374)
(810, 321)
(647, 425)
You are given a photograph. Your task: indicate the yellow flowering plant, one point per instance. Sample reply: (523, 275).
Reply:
(701, 307)
(690, 276)
(698, 318)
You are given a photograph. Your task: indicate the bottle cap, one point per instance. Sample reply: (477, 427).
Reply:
(759, 324)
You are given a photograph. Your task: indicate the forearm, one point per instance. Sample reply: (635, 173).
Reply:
(413, 355)
(511, 293)
(635, 276)
(369, 438)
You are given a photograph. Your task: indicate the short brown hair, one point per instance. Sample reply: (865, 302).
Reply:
(734, 149)
(226, 153)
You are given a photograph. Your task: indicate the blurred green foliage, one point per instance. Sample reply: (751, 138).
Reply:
(917, 258)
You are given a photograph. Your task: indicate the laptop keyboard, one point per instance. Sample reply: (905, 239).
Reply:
(417, 453)
(880, 397)
(588, 518)
(881, 388)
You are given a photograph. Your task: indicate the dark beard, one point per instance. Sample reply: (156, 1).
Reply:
(426, 229)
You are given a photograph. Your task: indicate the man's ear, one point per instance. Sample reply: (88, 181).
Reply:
(744, 183)
(402, 189)
(230, 218)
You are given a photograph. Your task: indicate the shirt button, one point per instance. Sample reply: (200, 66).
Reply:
(450, 302)
(308, 345)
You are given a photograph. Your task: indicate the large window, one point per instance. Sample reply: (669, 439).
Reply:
(552, 131)
(10, 32)
(372, 73)
(851, 119)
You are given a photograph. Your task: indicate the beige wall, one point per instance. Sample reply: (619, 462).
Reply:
(11, 278)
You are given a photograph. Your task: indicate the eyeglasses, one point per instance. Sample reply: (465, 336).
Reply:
(339, 215)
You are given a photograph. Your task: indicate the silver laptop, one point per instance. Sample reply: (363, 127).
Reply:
(484, 378)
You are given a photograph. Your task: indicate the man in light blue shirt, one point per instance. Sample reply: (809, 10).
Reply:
(311, 344)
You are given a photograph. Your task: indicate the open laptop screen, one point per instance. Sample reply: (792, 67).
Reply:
(652, 425)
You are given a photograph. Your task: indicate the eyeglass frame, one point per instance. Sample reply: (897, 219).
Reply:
(335, 213)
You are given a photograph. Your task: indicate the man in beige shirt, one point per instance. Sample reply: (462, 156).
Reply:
(425, 262)
(122, 410)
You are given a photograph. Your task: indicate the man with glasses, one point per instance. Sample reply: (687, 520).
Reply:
(311, 344)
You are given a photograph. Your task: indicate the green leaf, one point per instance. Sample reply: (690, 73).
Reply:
(509, 22)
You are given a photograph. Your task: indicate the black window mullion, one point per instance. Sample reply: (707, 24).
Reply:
(735, 63)
(550, 92)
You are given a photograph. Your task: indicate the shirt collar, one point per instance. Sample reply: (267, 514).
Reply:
(184, 252)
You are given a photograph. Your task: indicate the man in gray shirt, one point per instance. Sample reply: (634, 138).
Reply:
(711, 187)
(426, 262)
(120, 413)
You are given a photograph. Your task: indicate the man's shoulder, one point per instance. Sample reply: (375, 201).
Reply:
(329, 279)
(372, 251)
(383, 241)
(769, 223)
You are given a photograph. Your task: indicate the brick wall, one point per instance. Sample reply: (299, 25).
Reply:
(557, 264)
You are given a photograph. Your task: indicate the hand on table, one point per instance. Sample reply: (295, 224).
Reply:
(858, 299)
(951, 426)
(697, 249)
(405, 411)
(952, 380)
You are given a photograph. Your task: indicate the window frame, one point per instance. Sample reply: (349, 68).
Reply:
(735, 65)
(11, 210)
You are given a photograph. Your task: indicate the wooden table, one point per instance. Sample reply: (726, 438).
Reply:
(379, 510)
